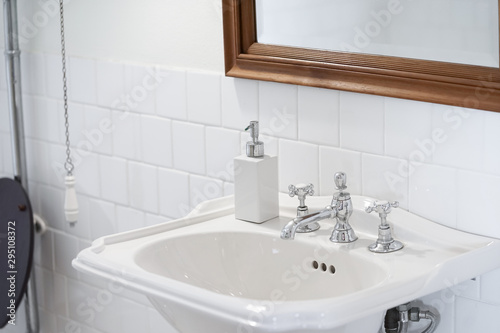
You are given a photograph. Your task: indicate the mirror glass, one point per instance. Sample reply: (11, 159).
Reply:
(455, 31)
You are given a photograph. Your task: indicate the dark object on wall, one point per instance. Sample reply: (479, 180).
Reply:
(16, 247)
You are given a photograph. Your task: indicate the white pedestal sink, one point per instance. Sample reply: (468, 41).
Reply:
(209, 272)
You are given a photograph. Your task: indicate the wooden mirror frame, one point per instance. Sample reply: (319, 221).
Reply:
(422, 80)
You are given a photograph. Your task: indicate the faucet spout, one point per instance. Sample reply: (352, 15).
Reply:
(289, 230)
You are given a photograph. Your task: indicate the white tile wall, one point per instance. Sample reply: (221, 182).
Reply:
(151, 143)
(362, 123)
(171, 100)
(140, 84)
(203, 98)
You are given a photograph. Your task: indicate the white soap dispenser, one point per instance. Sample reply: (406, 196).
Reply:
(255, 181)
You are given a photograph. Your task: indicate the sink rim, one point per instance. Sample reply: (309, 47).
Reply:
(376, 298)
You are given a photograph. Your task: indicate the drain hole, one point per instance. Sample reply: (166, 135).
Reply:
(332, 269)
(315, 264)
(323, 267)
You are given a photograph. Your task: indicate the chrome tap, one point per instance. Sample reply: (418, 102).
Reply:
(289, 230)
(342, 232)
(340, 208)
(301, 191)
(385, 242)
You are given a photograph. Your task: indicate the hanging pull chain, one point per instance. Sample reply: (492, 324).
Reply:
(68, 165)
(70, 200)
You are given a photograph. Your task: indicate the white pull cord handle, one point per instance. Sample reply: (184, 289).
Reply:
(70, 201)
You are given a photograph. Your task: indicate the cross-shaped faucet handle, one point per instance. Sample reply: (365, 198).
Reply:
(381, 207)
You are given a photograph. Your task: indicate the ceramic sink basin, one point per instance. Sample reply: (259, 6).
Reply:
(209, 272)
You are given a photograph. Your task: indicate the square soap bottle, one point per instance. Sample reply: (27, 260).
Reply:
(255, 181)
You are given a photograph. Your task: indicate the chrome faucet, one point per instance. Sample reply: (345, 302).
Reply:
(340, 208)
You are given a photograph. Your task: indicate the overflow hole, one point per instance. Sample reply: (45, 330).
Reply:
(315, 264)
(332, 269)
(323, 267)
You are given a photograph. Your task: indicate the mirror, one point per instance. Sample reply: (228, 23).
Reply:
(384, 47)
(463, 32)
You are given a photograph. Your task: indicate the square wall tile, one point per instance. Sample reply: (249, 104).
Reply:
(433, 193)
(318, 111)
(173, 193)
(42, 118)
(54, 162)
(462, 143)
(362, 122)
(228, 189)
(6, 154)
(87, 175)
(78, 293)
(333, 160)
(114, 179)
(53, 288)
(143, 185)
(140, 88)
(156, 145)
(203, 189)
(52, 206)
(188, 142)
(408, 132)
(298, 164)
(278, 110)
(43, 253)
(492, 143)
(36, 156)
(110, 83)
(65, 250)
(152, 219)
(53, 76)
(171, 94)
(67, 325)
(126, 134)
(490, 288)
(33, 73)
(478, 201)
(102, 218)
(98, 132)
(240, 102)
(204, 98)
(469, 316)
(48, 321)
(222, 146)
(82, 80)
(385, 178)
(129, 219)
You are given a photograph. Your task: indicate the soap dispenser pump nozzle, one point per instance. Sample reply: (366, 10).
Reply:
(255, 148)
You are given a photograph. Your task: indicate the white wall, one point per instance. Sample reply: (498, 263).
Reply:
(185, 33)
(163, 139)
